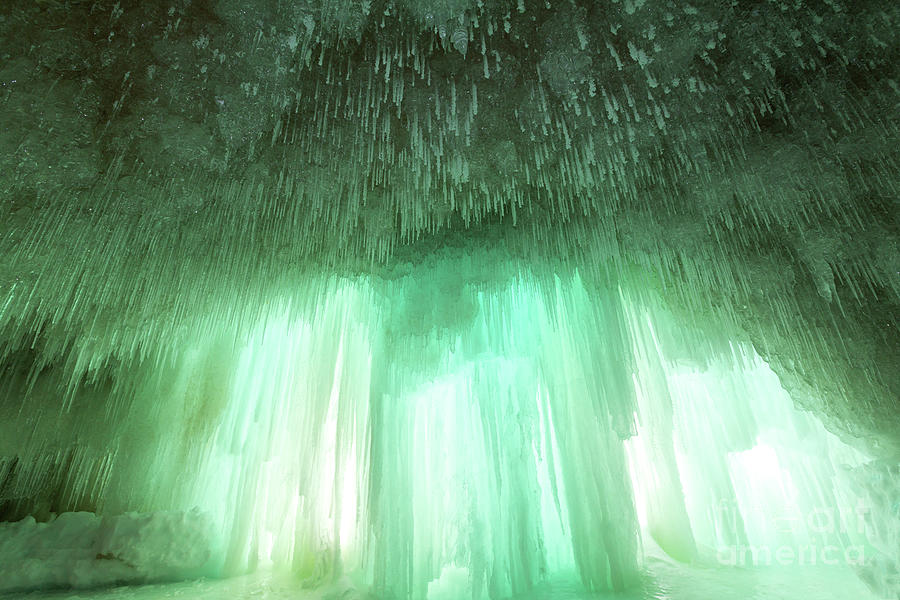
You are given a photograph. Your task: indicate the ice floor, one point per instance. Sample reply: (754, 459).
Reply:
(663, 580)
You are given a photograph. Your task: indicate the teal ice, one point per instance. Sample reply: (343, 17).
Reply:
(449, 299)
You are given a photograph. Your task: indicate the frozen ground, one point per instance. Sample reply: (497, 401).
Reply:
(663, 580)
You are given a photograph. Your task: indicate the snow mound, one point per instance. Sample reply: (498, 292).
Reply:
(82, 549)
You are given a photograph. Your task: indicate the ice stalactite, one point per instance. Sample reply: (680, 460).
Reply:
(289, 457)
(728, 471)
(283, 468)
(434, 437)
(519, 426)
(449, 294)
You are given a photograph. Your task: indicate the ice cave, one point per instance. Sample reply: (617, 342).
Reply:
(450, 299)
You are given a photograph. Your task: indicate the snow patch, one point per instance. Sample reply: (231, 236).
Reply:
(82, 550)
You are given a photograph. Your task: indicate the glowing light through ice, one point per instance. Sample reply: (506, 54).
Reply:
(726, 469)
(504, 456)
(481, 446)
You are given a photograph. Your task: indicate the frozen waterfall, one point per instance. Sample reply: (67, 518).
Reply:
(529, 430)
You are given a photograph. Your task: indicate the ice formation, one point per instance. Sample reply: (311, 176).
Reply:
(521, 432)
(447, 298)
